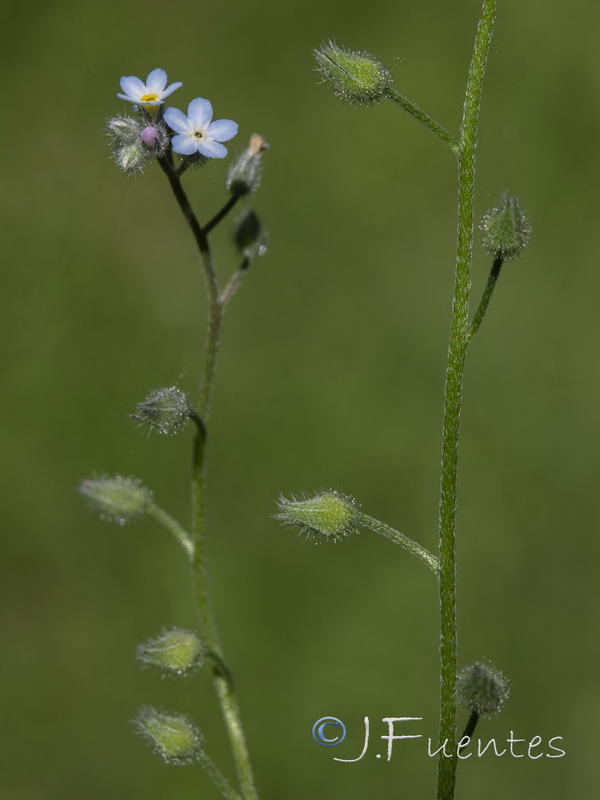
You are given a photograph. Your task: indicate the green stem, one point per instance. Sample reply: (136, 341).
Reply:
(219, 780)
(223, 685)
(234, 283)
(459, 337)
(486, 297)
(399, 538)
(171, 524)
(423, 118)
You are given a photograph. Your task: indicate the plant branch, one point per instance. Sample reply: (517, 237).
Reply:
(399, 538)
(221, 214)
(171, 524)
(423, 118)
(487, 296)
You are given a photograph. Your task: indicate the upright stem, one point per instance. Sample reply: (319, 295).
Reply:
(221, 678)
(453, 400)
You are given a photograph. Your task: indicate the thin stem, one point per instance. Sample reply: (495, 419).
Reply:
(221, 214)
(171, 524)
(399, 538)
(486, 297)
(219, 780)
(223, 685)
(453, 400)
(470, 726)
(424, 118)
(210, 273)
(234, 283)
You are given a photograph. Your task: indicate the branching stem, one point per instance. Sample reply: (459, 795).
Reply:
(222, 682)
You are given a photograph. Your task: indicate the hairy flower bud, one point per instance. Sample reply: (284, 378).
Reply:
(172, 736)
(123, 130)
(174, 652)
(505, 229)
(155, 139)
(250, 237)
(131, 157)
(243, 176)
(357, 78)
(165, 411)
(482, 688)
(329, 516)
(117, 499)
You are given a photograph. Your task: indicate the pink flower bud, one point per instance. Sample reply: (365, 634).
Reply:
(151, 137)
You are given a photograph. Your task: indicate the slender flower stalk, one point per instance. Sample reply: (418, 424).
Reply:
(423, 118)
(399, 538)
(486, 297)
(171, 524)
(459, 339)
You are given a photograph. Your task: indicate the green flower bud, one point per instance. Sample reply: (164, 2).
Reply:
(117, 499)
(505, 230)
(174, 652)
(131, 157)
(482, 688)
(250, 237)
(124, 130)
(172, 736)
(329, 516)
(357, 78)
(165, 411)
(243, 176)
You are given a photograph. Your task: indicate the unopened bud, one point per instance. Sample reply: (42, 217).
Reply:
(356, 77)
(123, 130)
(131, 157)
(482, 688)
(117, 499)
(174, 652)
(505, 229)
(165, 411)
(243, 176)
(155, 138)
(172, 736)
(329, 516)
(250, 237)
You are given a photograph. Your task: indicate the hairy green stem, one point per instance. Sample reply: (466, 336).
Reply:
(423, 118)
(221, 677)
(459, 338)
(399, 538)
(171, 524)
(222, 784)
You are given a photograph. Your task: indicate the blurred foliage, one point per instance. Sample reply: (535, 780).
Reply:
(331, 376)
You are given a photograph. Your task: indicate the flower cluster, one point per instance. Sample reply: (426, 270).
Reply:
(195, 136)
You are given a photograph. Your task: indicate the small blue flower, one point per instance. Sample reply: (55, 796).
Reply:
(151, 93)
(196, 133)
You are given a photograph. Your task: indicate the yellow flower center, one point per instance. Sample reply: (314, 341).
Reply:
(148, 98)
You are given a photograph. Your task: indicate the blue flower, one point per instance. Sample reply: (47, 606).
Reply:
(196, 133)
(151, 93)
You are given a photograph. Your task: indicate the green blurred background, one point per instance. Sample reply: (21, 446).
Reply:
(331, 376)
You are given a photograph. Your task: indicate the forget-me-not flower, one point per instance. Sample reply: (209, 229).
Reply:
(196, 133)
(151, 93)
